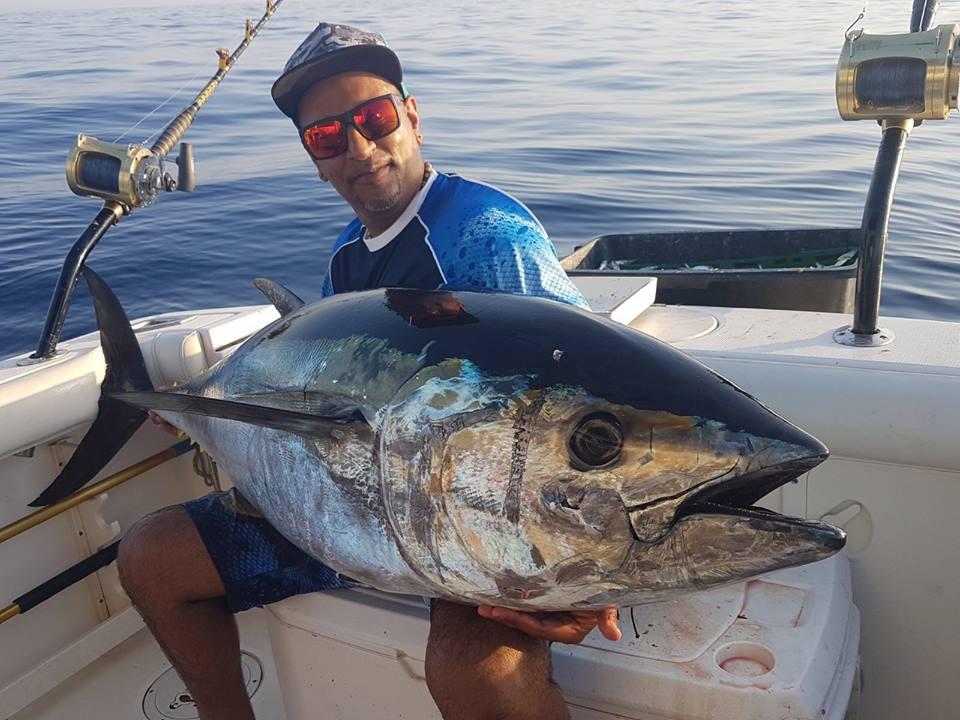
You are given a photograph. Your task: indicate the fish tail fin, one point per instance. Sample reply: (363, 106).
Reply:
(116, 421)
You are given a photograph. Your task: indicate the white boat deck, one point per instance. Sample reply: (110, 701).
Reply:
(118, 684)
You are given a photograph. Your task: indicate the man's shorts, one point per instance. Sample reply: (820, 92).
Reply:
(256, 563)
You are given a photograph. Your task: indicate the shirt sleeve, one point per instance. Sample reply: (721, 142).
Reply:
(349, 233)
(503, 247)
(327, 287)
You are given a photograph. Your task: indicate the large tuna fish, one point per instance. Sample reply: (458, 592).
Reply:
(481, 447)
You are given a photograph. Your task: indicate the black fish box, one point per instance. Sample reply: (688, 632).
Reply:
(799, 269)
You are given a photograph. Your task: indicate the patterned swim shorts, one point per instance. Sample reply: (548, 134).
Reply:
(256, 563)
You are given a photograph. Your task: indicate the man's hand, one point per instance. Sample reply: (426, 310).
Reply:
(163, 424)
(565, 627)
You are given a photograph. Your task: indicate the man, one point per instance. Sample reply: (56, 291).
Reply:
(188, 568)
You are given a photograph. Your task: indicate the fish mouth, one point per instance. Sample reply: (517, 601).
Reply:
(732, 493)
(737, 495)
(720, 536)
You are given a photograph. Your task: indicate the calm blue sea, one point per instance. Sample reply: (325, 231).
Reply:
(603, 117)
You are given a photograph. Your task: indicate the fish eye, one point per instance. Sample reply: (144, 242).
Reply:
(596, 441)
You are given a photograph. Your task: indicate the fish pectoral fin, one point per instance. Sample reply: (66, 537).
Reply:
(307, 402)
(272, 417)
(283, 299)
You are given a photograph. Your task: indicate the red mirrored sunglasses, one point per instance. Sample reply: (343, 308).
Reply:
(373, 119)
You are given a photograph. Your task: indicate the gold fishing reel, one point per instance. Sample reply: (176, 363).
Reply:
(910, 75)
(131, 175)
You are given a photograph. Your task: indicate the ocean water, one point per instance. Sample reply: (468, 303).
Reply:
(602, 117)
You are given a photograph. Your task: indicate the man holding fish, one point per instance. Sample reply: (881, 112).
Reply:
(188, 568)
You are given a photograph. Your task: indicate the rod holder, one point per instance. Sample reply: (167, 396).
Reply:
(864, 332)
(67, 281)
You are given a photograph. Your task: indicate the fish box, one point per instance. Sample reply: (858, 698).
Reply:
(782, 646)
(801, 269)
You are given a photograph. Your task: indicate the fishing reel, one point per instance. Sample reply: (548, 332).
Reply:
(131, 175)
(908, 76)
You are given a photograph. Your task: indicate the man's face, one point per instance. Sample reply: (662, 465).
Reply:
(374, 176)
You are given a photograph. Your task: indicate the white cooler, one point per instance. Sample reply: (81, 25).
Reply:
(781, 647)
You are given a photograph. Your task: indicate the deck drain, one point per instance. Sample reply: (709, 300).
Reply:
(167, 697)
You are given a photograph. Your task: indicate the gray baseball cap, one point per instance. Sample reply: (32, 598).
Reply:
(329, 50)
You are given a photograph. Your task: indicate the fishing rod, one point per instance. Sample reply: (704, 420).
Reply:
(7, 532)
(127, 177)
(73, 574)
(100, 559)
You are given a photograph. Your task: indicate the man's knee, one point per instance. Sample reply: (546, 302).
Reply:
(480, 668)
(162, 558)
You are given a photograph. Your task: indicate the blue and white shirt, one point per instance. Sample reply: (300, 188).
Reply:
(456, 234)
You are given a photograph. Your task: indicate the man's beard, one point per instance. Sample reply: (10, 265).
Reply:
(385, 199)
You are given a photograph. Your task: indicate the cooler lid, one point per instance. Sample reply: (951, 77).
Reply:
(677, 630)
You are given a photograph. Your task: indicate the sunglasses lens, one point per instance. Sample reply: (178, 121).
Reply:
(326, 140)
(377, 118)
(374, 119)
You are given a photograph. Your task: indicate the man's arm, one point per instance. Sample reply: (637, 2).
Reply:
(498, 244)
(525, 265)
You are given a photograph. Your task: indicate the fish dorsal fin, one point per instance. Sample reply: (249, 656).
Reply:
(262, 415)
(283, 299)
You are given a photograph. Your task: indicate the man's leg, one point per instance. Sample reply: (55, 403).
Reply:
(167, 572)
(479, 669)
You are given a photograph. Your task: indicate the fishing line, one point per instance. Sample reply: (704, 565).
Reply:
(129, 177)
(861, 16)
(140, 121)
